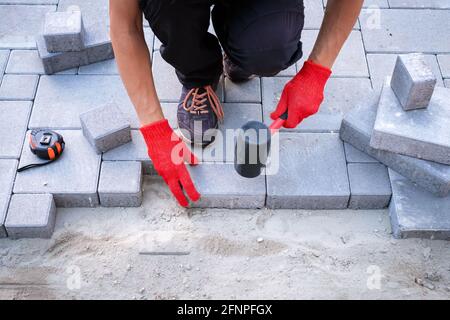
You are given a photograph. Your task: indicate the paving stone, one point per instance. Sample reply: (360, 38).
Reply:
(341, 94)
(221, 187)
(98, 44)
(353, 155)
(382, 66)
(431, 4)
(108, 67)
(33, 2)
(14, 116)
(8, 168)
(447, 83)
(95, 13)
(416, 213)
(357, 129)
(72, 179)
(105, 127)
(413, 81)
(64, 31)
(136, 150)
(61, 99)
(120, 184)
(406, 30)
(313, 14)
(312, 173)
(28, 62)
(236, 115)
(376, 3)
(351, 61)
(20, 23)
(31, 216)
(444, 63)
(4, 54)
(247, 92)
(420, 133)
(18, 87)
(369, 186)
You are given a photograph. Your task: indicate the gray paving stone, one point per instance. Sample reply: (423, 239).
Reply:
(18, 87)
(312, 173)
(369, 186)
(136, 150)
(422, 4)
(420, 133)
(72, 179)
(94, 12)
(64, 31)
(236, 115)
(313, 14)
(416, 213)
(105, 127)
(108, 67)
(341, 94)
(61, 99)
(20, 24)
(406, 30)
(247, 92)
(4, 54)
(14, 116)
(34, 2)
(221, 187)
(57, 62)
(98, 44)
(357, 129)
(447, 83)
(120, 184)
(8, 168)
(444, 63)
(353, 155)
(382, 66)
(351, 61)
(31, 216)
(376, 3)
(28, 62)
(413, 81)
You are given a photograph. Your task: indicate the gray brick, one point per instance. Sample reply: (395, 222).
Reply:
(369, 186)
(444, 63)
(94, 12)
(312, 173)
(247, 92)
(4, 54)
(105, 127)
(221, 187)
(18, 87)
(64, 31)
(313, 14)
(420, 133)
(353, 155)
(413, 81)
(447, 83)
(120, 184)
(72, 179)
(20, 24)
(357, 129)
(8, 170)
(136, 150)
(341, 94)
(404, 31)
(31, 216)
(14, 116)
(382, 66)
(420, 4)
(416, 213)
(28, 62)
(98, 44)
(236, 115)
(64, 98)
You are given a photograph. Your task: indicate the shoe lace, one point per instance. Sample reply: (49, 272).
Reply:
(199, 102)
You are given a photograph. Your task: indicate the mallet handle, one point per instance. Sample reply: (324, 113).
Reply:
(278, 124)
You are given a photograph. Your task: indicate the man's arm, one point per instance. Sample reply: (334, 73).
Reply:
(133, 59)
(340, 17)
(303, 95)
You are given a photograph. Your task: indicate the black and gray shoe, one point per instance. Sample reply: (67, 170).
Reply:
(199, 114)
(234, 72)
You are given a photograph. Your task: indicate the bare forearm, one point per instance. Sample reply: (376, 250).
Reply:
(133, 60)
(340, 17)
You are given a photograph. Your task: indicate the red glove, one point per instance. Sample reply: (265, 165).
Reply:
(168, 154)
(303, 95)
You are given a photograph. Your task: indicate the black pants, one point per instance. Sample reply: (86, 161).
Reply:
(260, 36)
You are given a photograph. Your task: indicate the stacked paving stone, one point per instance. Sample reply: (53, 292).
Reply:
(407, 128)
(66, 44)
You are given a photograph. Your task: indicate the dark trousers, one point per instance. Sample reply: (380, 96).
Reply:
(260, 36)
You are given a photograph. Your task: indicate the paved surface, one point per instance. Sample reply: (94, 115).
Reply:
(386, 28)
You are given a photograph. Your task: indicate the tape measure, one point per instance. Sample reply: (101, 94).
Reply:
(46, 145)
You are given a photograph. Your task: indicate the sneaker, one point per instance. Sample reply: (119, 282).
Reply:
(199, 114)
(234, 72)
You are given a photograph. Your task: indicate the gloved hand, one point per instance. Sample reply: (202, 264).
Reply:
(303, 95)
(168, 153)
